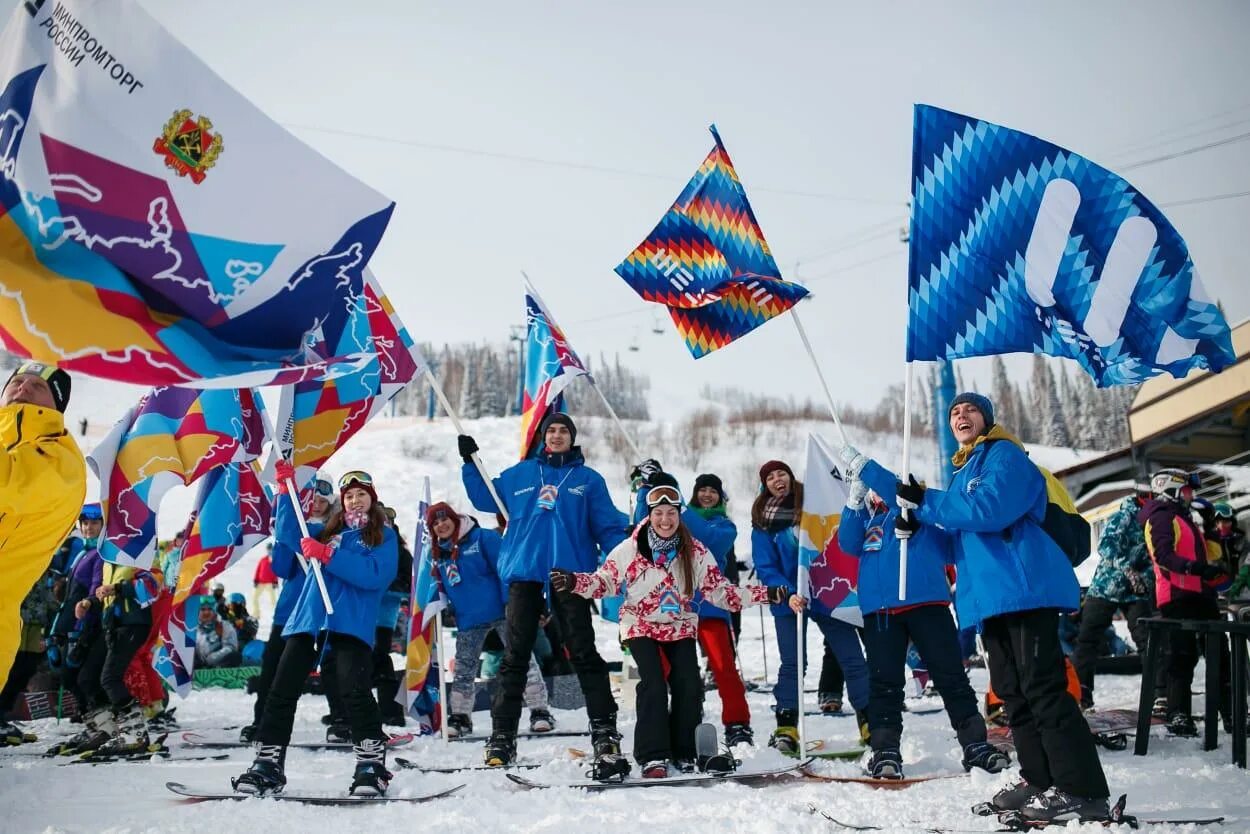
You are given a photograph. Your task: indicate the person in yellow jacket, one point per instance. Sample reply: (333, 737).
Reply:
(43, 480)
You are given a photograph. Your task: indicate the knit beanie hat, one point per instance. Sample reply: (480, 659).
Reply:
(771, 467)
(560, 418)
(439, 511)
(57, 379)
(978, 401)
(712, 481)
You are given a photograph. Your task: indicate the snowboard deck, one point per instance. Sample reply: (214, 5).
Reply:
(308, 799)
(527, 734)
(200, 740)
(1015, 821)
(161, 755)
(1010, 825)
(679, 780)
(408, 764)
(882, 784)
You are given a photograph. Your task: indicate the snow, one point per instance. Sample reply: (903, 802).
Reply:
(38, 795)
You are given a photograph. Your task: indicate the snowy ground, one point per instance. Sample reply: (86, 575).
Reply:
(1177, 779)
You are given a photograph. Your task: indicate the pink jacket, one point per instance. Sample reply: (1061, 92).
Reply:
(655, 606)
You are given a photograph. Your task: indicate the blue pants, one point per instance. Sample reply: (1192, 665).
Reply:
(841, 639)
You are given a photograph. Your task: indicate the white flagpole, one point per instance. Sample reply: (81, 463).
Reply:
(477, 461)
(442, 675)
(905, 477)
(833, 411)
(801, 588)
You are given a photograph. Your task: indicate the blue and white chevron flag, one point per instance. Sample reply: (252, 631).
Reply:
(1018, 245)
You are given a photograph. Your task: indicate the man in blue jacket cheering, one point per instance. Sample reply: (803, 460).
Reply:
(559, 515)
(1013, 581)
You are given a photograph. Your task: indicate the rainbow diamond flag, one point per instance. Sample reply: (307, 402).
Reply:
(708, 262)
(550, 366)
(173, 436)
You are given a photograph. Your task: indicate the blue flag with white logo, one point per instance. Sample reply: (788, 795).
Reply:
(1018, 245)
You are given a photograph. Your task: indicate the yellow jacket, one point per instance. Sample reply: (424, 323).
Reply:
(43, 481)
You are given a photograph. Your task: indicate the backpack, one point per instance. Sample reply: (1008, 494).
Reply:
(1063, 522)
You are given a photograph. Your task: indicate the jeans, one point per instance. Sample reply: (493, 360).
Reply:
(354, 669)
(525, 606)
(842, 641)
(932, 630)
(666, 670)
(1053, 743)
(469, 642)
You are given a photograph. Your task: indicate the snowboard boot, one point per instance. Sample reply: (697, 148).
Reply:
(786, 737)
(371, 777)
(541, 721)
(830, 704)
(1180, 724)
(1055, 805)
(247, 735)
(11, 734)
(339, 733)
(131, 735)
(985, 756)
(1013, 797)
(500, 749)
(861, 718)
(657, 769)
(459, 724)
(738, 733)
(886, 764)
(608, 765)
(266, 775)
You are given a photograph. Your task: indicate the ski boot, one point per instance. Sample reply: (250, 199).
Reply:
(786, 737)
(657, 769)
(886, 764)
(162, 721)
(1011, 798)
(371, 777)
(11, 734)
(500, 749)
(459, 724)
(98, 728)
(608, 765)
(829, 703)
(131, 735)
(738, 733)
(266, 775)
(339, 733)
(1055, 805)
(541, 721)
(1180, 724)
(247, 735)
(985, 756)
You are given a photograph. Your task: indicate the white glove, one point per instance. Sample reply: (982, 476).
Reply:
(852, 461)
(859, 491)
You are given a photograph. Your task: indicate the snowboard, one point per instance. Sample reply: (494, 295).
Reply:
(145, 756)
(679, 780)
(1015, 821)
(822, 749)
(308, 799)
(1124, 819)
(408, 764)
(526, 734)
(884, 784)
(199, 740)
(1104, 724)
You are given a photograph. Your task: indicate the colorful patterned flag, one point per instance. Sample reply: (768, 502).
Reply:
(708, 262)
(1018, 245)
(550, 366)
(173, 436)
(141, 194)
(420, 692)
(233, 514)
(833, 576)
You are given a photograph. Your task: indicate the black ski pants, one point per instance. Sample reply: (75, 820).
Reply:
(384, 677)
(932, 630)
(354, 668)
(832, 678)
(1096, 615)
(102, 676)
(665, 731)
(525, 607)
(268, 668)
(1053, 743)
(1184, 651)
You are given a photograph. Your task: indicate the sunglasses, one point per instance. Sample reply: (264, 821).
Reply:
(323, 487)
(356, 476)
(663, 495)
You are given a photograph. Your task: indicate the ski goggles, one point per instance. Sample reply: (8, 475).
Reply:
(663, 495)
(356, 476)
(91, 512)
(1223, 510)
(323, 488)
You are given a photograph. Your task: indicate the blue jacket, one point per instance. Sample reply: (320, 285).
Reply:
(285, 562)
(1005, 562)
(479, 597)
(928, 551)
(565, 536)
(776, 559)
(356, 578)
(388, 608)
(718, 535)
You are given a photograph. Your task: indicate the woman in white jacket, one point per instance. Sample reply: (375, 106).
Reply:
(662, 567)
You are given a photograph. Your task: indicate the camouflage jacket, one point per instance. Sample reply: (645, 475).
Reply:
(1122, 550)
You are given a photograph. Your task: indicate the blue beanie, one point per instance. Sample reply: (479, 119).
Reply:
(982, 404)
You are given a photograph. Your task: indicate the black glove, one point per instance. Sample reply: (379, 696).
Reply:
(1210, 570)
(467, 446)
(645, 471)
(904, 527)
(911, 494)
(561, 580)
(778, 594)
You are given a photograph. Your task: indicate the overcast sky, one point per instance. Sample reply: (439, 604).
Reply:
(813, 101)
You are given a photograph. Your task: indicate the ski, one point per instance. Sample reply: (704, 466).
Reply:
(1125, 819)
(407, 764)
(1015, 821)
(526, 734)
(198, 740)
(679, 780)
(308, 799)
(155, 747)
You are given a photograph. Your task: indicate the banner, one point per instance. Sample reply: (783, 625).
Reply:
(550, 366)
(833, 576)
(420, 692)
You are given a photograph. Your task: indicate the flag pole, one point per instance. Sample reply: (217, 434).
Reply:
(442, 675)
(833, 411)
(801, 583)
(455, 421)
(619, 425)
(905, 477)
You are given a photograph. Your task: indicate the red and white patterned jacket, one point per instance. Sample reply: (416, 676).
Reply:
(651, 589)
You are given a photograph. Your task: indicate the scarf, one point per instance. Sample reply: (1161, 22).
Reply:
(356, 519)
(663, 548)
(779, 513)
(709, 513)
(996, 432)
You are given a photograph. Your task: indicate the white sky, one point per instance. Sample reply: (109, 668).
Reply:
(809, 97)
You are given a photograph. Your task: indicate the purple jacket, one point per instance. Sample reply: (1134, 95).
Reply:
(85, 576)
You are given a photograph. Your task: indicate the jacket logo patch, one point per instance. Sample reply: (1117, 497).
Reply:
(973, 484)
(523, 490)
(473, 548)
(578, 490)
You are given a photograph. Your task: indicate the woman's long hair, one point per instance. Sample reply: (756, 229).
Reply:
(757, 507)
(685, 553)
(371, 534)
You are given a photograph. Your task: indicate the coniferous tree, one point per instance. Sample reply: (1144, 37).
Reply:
(1055, 426)
(492, 400)
(1003, 395)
